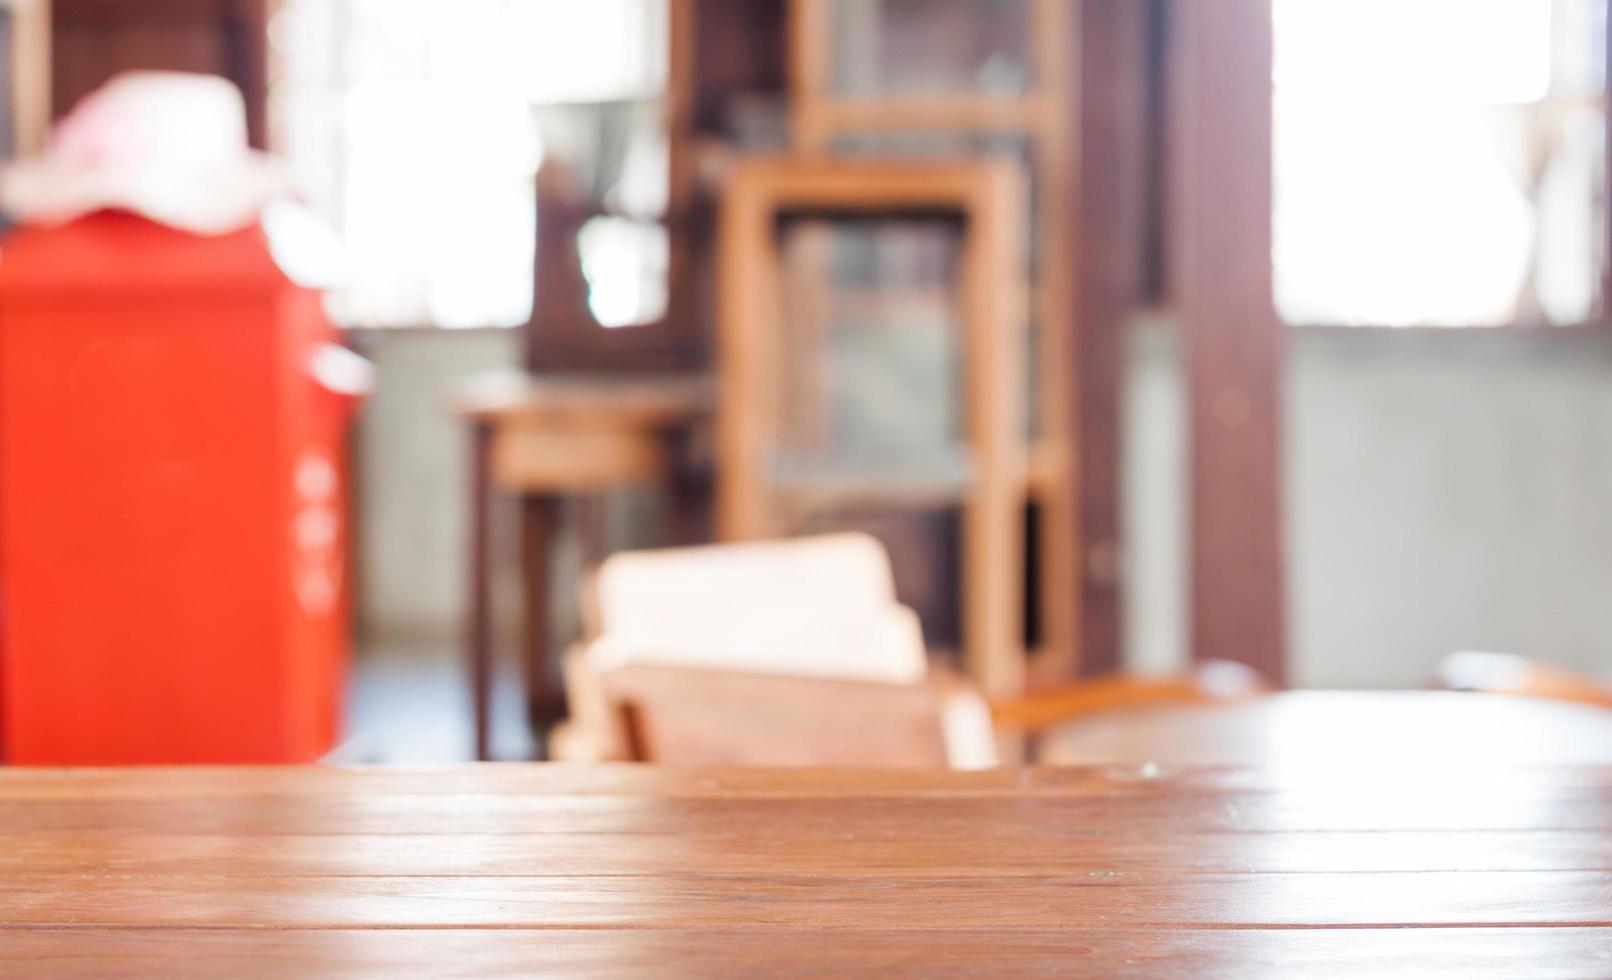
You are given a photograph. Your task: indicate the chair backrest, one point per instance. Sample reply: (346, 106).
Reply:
(797, 653)
(690, 716)
(815, 607)
(790, 652)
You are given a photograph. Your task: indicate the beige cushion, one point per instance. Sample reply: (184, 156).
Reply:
(821, 606)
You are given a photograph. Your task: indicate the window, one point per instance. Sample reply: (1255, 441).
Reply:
(416, 127)
(1439, 162)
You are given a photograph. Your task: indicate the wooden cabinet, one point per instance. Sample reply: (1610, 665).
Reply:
(823, 410)
(958, 80)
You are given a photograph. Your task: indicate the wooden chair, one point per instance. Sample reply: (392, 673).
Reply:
(1506, 673)
(797, 653)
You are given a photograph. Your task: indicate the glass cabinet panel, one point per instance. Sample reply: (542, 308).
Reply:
(870, 371)
(961, 145)
(929, 47)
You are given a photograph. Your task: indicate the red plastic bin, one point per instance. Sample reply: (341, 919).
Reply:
(172, 533)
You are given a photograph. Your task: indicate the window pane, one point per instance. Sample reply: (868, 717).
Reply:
(415, 128)
(1439, 162)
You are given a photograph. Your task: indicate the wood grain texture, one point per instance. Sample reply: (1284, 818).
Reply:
(1304, 867)
(1500, 954)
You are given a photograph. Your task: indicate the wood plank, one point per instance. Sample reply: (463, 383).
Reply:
(1302, 869)
(857, 856)
(1235, 345)
(748, 822)
(694, 900)
(648, 784)
(1476, 954)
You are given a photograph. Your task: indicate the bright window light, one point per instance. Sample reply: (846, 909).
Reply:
(413, 127)
(1438, 162)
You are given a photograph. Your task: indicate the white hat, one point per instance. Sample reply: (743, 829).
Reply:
(168, 145)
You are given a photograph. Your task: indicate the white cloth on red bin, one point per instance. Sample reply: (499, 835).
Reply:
(171, 146)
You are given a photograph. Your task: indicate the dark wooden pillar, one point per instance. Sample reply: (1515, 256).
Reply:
(1234, 345)
(479, 618)
(92, 40)
(1109, 221)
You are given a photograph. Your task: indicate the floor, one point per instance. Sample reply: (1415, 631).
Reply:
(409, 703)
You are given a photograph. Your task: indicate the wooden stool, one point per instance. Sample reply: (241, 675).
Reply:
(547, 440)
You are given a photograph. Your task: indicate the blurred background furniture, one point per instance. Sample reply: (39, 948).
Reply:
(902, 317)
(795, 652)
(1160, 142)
(728, 651)
(837, 400)
(963, 79)
(549, 442)
(614, 394)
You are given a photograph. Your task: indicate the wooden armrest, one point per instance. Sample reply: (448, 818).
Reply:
(1213, 682)
(1505, 673)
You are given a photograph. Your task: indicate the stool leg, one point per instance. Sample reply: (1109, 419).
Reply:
(686, 517)
(539, 520)
(478, 631)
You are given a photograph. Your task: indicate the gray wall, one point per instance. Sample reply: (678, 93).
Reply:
(412, 463)
(1446, 491)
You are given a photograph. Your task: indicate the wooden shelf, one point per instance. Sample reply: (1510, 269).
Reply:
(929, 483)
(942, 112)
(1041, 116)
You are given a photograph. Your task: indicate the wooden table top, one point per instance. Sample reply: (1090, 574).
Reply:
(1462, 869)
